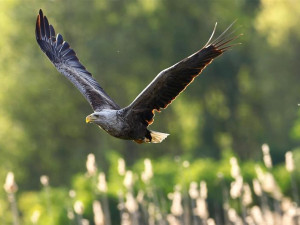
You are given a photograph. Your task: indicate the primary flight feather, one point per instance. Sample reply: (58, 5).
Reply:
(132, 121)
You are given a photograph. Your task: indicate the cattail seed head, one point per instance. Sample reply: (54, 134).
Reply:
(203, 190)
(98, 213)
(148, 173)
(292, 211)
(176, 207)
(286, 204)
(121, 205)
(91, 164)
(121, 167)
(211, 221)
(140, 196)
(128, 179)
(277, 192)
(249, 220)
(289, 162)
(233, 217)
(35, 216)
(85, 222)
(151, 212)
(235, 169)
(201, 208)
(44, 180)
(78, 207)
(260, 174)
(267, 157)
(268, 183)
(131, 203)
(10, 185)
(72, 194)
(70, 214)
(236, 187)
(148, 167)
(247, 196)
(287, 219)
(102, 184)
(268, 216)
(125, 219)
(173, 220)
(170, 196)
(193, 192)
(265, 149)
(185, 164)
(257, 187)
(268, 161)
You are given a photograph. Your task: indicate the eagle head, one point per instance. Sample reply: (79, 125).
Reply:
(92, 118)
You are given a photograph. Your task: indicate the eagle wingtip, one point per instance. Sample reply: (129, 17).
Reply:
(41, 14)
(221, 42)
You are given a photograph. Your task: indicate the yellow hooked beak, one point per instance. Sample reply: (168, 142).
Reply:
(90, 118)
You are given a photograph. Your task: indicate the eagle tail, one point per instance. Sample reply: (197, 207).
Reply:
(157, 137)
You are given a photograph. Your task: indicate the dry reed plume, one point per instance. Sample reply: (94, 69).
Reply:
(259, 202)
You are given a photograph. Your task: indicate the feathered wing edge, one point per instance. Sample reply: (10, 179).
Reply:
(169, 83)
(66, 62)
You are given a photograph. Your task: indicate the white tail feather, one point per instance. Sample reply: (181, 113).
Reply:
(158, 137)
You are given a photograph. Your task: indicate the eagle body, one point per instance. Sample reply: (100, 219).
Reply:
(112, 121)
(131, 122)
(117, 123)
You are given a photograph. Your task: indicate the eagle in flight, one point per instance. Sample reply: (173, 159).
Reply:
(131, 122)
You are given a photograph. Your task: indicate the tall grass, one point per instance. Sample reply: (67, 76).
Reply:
(260, 202)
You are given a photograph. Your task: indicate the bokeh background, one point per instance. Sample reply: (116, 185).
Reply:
(246, 97)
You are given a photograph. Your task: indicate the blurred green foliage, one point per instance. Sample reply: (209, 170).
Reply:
(54, 203)
(246, 97)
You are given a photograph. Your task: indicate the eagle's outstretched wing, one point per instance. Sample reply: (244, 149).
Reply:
(169, 83)
(66, 62)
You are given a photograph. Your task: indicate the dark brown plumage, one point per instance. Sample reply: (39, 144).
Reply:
(65, 60)
(172, 81)
(132, 121)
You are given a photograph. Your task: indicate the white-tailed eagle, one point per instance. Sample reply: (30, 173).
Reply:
(131, 122)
